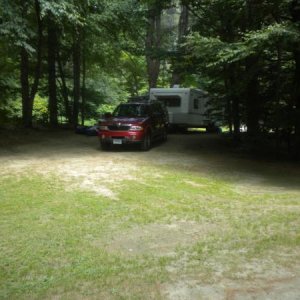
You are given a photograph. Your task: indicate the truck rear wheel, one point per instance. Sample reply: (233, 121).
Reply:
(213, 129)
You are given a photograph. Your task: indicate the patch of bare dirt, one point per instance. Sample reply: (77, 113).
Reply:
(75, 159)
(275, 289)
(157, 239)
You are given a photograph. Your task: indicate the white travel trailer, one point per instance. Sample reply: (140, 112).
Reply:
(187, 107)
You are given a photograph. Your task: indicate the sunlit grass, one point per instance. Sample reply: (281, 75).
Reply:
(53, 240)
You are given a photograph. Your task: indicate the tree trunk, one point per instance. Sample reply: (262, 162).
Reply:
(182, 32)
(236, 117)
(24, 73)
(253, 110)
(152, 45)
(228, 100)
(37, 74)
(297, 103)
(27, 95)
(83, 99)
(234, 99)
(52, 42)
(253, 22)
(295, 13)
(76, 76)
(64, 89)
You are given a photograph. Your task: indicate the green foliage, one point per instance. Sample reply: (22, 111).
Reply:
(132, 69)
(107, 31)
(105, 108)
(40, 109)
(216, 52)
(15, 28)
(228, 40)
(10, 112)
(62, 10)
(13, 110)
(9, 85)
(244, 50)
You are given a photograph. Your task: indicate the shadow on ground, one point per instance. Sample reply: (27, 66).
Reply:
(211, 154)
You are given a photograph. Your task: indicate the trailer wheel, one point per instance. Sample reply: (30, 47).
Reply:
(183, 130)
(213, 129)
(173, 129)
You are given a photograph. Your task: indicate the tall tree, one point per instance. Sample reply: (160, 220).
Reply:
(64, 89)
(28, 92)
(153, 39)
(76, 73)
(182, 32)
(252, 103)
(52, 90)
(83, 86)
(24, 79)
(295, 12)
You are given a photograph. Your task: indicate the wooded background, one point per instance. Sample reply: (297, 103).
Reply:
(67, 61)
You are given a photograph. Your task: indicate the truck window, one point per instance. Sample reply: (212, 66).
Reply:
(131, 110)
(170, 101)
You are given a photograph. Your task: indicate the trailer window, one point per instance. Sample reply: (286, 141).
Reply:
(196, 103)
(170, 101)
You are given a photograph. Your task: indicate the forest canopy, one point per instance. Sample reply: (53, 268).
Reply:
(65, 62)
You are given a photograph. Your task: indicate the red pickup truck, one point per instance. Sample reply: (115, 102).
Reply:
(134, 123)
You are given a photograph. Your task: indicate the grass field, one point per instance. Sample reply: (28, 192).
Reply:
(166, 231)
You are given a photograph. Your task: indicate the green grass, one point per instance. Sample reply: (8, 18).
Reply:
(53, 240)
